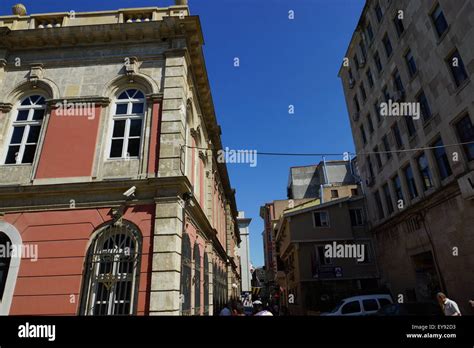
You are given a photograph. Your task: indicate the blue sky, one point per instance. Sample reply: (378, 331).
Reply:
(282, 62)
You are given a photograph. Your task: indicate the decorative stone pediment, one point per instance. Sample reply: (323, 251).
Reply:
(36, 73)
(131, 66)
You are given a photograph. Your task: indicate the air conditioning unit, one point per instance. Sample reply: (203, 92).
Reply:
(351, 83)
(356, 116)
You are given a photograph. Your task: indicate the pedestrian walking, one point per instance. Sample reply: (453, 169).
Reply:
(449, 307)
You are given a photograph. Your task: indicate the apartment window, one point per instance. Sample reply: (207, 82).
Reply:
(386, 146)
(370, 78)
(334, 193)
(398, 25)
(323, 260)
(410, 61)
(321, 219)
(186, 272)
(378, 12)
(411, 182)
(388, 198)
(456, 65)
(439, 21)
(398, 188)
(378, 62)
(424, 106)
(197, 279)
(357, 217)
(424, 172)
(362, 91)
(363, 50)
(354, 192)
(442, 161)
(356, 103)
(397, 135)
(371, 167)
(377, 111)
(386, 95)
(370, 32)
(397, 82)
(351, 77)
(362, 133)
(378, 203)
(356, 60)
(387, 45)
(26, 130)
(378, 158)
(127, 124)
(465, 132)
(410, 125)
(371, 125)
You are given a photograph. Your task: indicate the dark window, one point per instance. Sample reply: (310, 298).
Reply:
(399, 25)
(363, 50)
(388, 198)
(378, 12)
(4, 262)
(466, 135)
(378, 202)
(356, 60)
(378, 158)
(410, 60)
(398, 188)
(370, 32)
(371, 125)
(371, 167)
(424, 106)
(370, 78)
(439, 21)
(354, 192)
(186, 270)
(386, 94)
(323, 260)
(362, 133)
(362, 91)
(356, 103)
(357, 218)
(197, 280)
(442, 159)
(370, 305)
(386, 146)
(383, 302)
(458, 70)
(411, 182)
(321, 219)
(206, 284)
(387, 45)
(351, 307)
(397, 82)
(334, 194)
(397, 135)
(410, 125)
(424, 172)
(377, 61)
(377, 111)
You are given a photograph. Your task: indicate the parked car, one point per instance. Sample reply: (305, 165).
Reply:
(360, 305)
(412, 308)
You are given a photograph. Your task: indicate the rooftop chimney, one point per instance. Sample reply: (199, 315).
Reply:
(19, 10)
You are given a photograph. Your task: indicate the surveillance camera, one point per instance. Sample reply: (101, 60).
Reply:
(130, 192)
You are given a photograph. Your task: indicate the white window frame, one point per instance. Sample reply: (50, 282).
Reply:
(326, 219)
(128, 117)
(27, 124)
(362, 218)
(15, 238)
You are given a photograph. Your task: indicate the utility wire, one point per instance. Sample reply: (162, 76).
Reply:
(348, 153)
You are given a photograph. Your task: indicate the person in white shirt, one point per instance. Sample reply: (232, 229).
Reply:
(260, 311)
(449, 307)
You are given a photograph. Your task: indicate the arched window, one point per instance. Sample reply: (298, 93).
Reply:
(25, 130)
(5, 247)
(185, 275)
(112, 272)
(129, 111)
(206, 284)
(197, 280)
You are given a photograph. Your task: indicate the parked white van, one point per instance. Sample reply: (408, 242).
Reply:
(360, 305)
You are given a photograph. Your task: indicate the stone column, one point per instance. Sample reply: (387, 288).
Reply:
(166, 260)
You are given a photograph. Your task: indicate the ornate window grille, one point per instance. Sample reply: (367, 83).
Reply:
(185, 275)
(206, 284)
(197, 280)
(112, 272)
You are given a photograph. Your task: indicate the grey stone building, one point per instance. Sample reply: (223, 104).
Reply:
(417, 162)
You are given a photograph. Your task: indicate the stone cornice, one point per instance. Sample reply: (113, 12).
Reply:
(98, 101)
